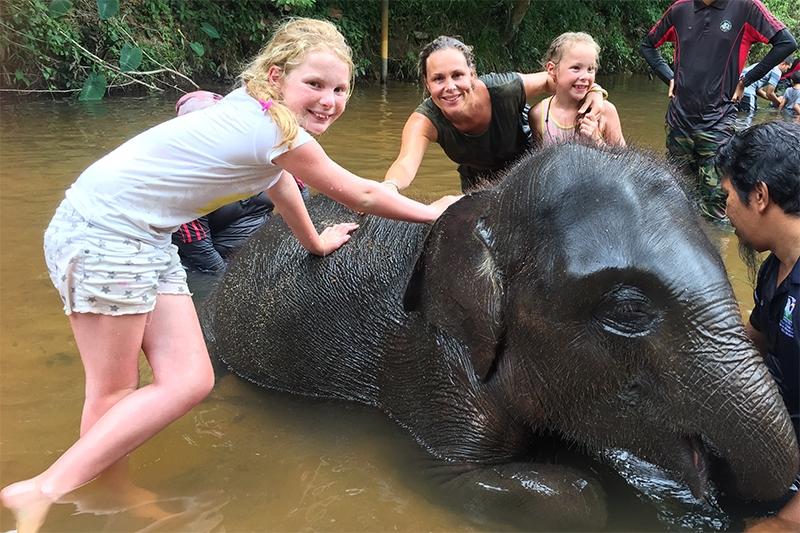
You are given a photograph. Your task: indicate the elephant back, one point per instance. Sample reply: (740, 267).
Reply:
(288, 320)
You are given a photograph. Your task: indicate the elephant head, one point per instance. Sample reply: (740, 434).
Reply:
(586, 300)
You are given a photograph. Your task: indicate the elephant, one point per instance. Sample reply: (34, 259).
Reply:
(575, 304)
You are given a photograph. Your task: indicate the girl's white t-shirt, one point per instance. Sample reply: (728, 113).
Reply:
(182, 169)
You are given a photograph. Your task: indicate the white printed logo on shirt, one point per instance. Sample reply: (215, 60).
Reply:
(785, 325)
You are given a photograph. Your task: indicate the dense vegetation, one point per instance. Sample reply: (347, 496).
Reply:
(88, 45)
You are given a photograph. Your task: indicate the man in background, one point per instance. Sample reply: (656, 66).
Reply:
(712, 40)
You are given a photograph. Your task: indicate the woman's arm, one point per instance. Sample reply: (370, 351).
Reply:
(539, 83)
(418, 132)
(364, 196)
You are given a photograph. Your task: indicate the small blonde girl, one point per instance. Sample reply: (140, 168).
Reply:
(571, 61)
(109, 253)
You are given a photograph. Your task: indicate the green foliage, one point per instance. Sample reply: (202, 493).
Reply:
(107, 8)
(63, 44)
(94, 88)
(59, 8)
(295, 4)
(130, 57)
(197, 48)
(209, 30)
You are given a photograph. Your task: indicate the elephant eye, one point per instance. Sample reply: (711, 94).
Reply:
(627, 312)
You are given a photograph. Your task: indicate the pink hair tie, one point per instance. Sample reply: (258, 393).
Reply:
(265, 105)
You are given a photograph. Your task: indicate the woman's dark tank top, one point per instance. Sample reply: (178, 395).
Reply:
(480, 157)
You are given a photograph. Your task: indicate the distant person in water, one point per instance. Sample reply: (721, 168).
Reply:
(764, 88)
(790, 103)
(207, 244)
(479, 121)
(571, 62)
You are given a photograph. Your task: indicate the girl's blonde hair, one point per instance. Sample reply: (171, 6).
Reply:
(292, 41)
(561, 43)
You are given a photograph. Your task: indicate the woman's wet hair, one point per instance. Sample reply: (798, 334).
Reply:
(442, 42)
(768, 153)
(563, 42)
(287, 49)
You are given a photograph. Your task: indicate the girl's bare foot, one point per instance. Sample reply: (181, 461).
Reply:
(28, 503)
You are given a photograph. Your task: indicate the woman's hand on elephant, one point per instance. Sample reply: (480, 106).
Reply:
(333, 237)
(444, 202)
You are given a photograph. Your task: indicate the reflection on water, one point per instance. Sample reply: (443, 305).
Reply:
(245, 459)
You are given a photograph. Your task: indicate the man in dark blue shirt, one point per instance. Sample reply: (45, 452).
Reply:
(712, 39)
(760, 169)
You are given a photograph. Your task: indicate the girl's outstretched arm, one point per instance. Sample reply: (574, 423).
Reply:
(418, 132)
(287, 199)
(364, 196)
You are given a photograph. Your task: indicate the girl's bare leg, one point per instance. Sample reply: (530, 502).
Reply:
(182, 377)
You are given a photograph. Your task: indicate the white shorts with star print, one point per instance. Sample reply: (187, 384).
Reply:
(99, 271)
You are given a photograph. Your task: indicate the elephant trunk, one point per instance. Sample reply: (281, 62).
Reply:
(743, 419)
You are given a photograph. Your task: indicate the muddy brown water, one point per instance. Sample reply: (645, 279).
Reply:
(245, 459)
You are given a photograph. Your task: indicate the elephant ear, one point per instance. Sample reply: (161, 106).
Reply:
(457, 284)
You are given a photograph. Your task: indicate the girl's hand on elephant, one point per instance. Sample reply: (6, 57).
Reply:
(333, 237)
(444, 202)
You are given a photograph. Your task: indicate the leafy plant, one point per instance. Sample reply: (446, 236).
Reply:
(107, 8)
(130, 57)
(94, 88)
(59, 8)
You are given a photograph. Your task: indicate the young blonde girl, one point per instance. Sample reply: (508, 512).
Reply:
(109, 253)
(571, 62)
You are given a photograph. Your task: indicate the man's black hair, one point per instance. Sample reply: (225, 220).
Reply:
(768, 153)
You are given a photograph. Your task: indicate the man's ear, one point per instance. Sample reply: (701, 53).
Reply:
(761, 196)
(275, 75)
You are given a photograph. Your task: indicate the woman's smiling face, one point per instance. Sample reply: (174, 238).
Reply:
(449, 79)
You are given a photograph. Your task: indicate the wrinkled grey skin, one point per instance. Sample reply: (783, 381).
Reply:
(578, 298)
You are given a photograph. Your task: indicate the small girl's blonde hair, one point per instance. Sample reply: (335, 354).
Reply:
(560, 44)
(292, 41)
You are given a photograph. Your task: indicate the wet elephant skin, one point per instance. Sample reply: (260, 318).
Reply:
(578, 297)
